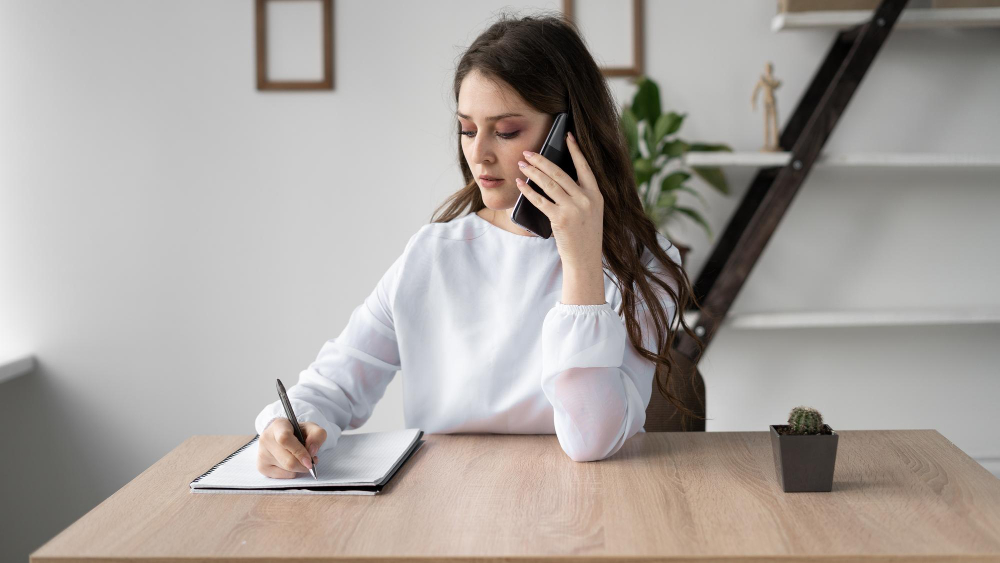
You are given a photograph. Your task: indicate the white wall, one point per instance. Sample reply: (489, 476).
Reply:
(171, 239)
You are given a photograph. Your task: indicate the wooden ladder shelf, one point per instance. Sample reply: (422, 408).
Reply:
(766, 201)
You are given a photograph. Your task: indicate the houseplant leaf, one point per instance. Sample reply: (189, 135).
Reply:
(667, 124)
(650, 141)
(644, 168)
(646, 102)
(695, 193)
(706, 147)
(631, 128)
(673, 180)
(644, 171)
(714, 177)
(697, 217)
(674, 149)
(666, 200)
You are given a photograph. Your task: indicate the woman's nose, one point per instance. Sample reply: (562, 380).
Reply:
(481, 150)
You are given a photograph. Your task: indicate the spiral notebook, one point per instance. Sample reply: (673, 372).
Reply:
(360, 464)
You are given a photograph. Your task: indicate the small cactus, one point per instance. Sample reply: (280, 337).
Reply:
(805, 420)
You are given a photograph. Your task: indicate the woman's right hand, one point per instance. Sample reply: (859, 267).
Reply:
(281, 455)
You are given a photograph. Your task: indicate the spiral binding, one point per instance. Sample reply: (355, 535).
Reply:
(228, 457)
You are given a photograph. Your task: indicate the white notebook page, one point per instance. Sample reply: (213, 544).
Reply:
(358, 459)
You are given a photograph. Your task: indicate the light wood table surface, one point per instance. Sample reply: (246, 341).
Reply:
(706, 496)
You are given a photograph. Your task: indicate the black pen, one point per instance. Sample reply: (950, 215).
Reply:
(295, 426)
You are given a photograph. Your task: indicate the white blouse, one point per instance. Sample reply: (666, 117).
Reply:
(471, 314)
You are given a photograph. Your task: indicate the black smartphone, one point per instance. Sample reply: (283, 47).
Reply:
(554, 148)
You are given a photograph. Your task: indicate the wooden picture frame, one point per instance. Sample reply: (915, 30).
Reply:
(636, 69)
(263, 83)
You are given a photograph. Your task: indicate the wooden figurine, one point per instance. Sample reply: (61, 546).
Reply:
(769, 84)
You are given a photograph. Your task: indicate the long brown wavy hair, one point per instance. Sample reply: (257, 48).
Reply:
(545, 56)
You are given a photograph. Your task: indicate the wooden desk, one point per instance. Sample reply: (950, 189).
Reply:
(711, 496)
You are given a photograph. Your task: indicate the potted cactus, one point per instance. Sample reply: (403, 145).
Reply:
(805, 452)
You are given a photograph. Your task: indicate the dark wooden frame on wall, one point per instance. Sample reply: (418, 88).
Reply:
(262, 81)
(637, 41)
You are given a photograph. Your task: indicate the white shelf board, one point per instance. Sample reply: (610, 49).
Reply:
(15, 366)
(724, 158)
(884, 160)
(885, 317)
(908, 19)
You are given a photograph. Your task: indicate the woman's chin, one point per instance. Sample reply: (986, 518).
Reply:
(496, 202)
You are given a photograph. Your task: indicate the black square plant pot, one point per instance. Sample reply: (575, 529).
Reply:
(804, 463)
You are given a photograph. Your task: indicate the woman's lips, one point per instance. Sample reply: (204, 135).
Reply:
(491, 183)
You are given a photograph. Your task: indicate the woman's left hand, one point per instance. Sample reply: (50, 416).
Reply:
(577, 216)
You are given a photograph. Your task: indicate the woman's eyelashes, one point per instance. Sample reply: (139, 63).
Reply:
(511, 135)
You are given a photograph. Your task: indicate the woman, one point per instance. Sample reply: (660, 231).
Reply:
(499, 330)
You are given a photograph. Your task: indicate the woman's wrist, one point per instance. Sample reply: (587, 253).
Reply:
(583, 286)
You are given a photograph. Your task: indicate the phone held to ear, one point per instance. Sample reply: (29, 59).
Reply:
(554, 148)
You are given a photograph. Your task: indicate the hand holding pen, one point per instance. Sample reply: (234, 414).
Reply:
(286, 448)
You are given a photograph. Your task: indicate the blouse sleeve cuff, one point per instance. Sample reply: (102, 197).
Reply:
(583, 309)
(581, 336)
(304, 412)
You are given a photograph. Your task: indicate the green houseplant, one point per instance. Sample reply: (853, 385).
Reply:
(657, 156)
(805, 451)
